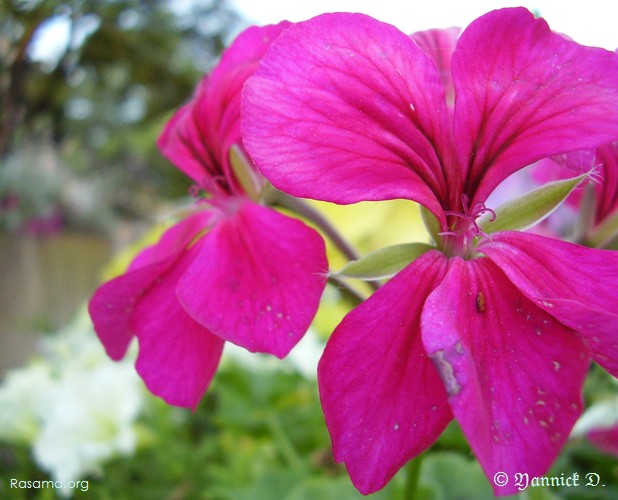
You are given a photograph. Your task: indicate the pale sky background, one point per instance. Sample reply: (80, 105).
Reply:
(589, 22)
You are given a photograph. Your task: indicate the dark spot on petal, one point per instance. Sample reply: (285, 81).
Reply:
(480, 302)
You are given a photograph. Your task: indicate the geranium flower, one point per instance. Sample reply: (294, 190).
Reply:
(233, 270)
(497, 331)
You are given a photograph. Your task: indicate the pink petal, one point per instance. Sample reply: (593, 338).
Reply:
(177, 356)
(330, 118)
(514, 374)
(524, 93)
(176, 238)
(181, 143)
(258, 280)
(199, 136)
(440, 45)
(112, 305)
(383, 400)
(576, 285)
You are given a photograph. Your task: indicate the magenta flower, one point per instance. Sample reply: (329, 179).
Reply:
(233, 270)
(497, 331)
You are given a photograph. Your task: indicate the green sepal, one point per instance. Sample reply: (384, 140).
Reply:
(524, 212)
(246, 175)
(384, 263)
(431, 223)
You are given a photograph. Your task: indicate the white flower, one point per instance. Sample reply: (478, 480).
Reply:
(88, 419)
(19, 394)
(75, 407)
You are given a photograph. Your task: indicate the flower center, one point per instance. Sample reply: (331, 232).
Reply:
(214, 192)
(463, 231)
(214, 186)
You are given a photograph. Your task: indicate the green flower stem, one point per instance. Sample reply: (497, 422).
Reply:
(413, 472)
(349, 293)
(284, 445)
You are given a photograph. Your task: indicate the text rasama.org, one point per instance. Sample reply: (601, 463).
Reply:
(36, 485)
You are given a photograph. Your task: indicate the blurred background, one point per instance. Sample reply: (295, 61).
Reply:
(85, 89)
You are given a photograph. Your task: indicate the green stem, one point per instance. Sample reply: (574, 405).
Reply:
(306, 210)
(413, 472)
(349, 293)
(285, 446)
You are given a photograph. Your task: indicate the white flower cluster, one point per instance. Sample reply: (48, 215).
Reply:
(73, 406)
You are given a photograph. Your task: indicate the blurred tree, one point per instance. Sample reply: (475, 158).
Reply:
(98, 78)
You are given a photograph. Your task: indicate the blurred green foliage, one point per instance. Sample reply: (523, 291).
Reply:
(98, 79)
(259, 434)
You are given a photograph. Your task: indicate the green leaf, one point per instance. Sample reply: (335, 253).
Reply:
(384, 263)
(245, 173)
(320, 488)
(532, 207)
(452, 475)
